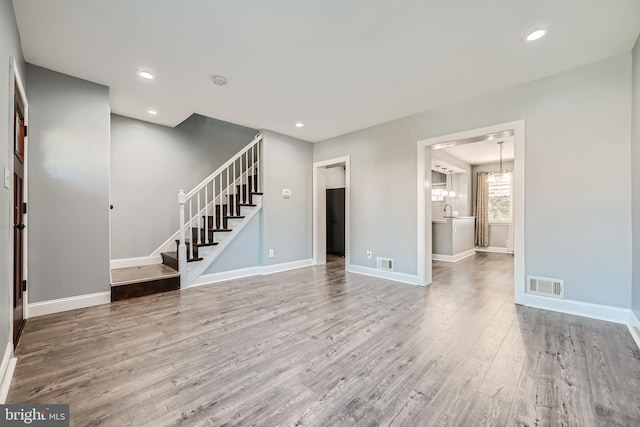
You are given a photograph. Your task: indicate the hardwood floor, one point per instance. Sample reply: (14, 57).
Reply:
(321, 347)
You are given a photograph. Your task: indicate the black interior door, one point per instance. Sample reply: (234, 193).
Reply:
(335, 221)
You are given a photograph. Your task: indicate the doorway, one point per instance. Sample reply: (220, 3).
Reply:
(19, 150)
(331, 194)
(424, 250)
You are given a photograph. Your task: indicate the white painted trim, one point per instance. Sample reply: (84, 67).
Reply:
(285, 266)
(71, 303)
(578, 308)
(424, 203)
(318, 216)
(135, 262)
(223, 276)
(6, 371)
(424, 215)
(454, 258)
(382, 274)
(634, 327)
(493, 249)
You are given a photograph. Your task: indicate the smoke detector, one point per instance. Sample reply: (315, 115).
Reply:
(219, 80)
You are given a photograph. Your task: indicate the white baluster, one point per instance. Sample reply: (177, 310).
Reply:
(220, 217)
(206, 217)
(259, 167)
(199, 220)
(190, 230)
(182, 248)
(229, 196)
(235, 192)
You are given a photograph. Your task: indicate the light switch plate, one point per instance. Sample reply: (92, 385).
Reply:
(7, 178)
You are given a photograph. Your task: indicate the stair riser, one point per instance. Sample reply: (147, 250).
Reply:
(246, 210)
(234, 222)
(144, 288)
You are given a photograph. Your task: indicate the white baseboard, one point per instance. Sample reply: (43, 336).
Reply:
(71, 303)
(134, 262)
(634, 327)
(493, 249)
(208, 279)
(382, 274)
(578, 308)
(6, 372)
(277, 268)
(453, 258)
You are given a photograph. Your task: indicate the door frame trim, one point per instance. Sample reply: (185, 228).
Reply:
(424, 203)
(15, 79)
(319, 215)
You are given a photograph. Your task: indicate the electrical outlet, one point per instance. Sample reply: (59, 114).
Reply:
(272, 253)
(7, 178)
(369, 253)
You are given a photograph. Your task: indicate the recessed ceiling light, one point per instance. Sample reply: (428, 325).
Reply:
(152, 112)
(219, 80)
(299, 125)
(536, 35)
(145, 75)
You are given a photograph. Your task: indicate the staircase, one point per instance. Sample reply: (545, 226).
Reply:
(210, 217)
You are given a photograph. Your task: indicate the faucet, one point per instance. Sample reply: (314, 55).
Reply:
(445, 210)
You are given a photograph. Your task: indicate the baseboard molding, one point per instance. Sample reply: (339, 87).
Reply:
(277, 268)
(223, 276)
(71, 303)
(634, 327)
(134, 262)
(6, 372)
(453, 258)
(578, 308)
(493, 249)
(382, 274)
(208, 279)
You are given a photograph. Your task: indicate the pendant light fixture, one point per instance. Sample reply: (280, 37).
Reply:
(445, 192)
(504, 175)
(451, 192)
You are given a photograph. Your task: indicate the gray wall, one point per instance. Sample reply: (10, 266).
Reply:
(68, 185)
(150, 164)
(635, 165)
(242, 252)
(287, 222)
(9, 48)
(576, 122)
(335, 177)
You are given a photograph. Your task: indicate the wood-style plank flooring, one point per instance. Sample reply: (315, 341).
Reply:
(321, 347)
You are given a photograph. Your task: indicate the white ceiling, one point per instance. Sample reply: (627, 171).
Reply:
(478, 153)
(337, 66)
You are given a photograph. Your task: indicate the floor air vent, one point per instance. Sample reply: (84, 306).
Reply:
(545, 286)
(385, 264)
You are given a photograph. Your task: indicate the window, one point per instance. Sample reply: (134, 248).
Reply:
(500, 200)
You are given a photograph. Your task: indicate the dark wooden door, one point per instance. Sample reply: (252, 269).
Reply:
(18, 215)
(335, 221)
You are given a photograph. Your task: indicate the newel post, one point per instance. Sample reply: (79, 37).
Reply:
(182, 248)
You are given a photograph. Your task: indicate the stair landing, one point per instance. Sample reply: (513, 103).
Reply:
(143, 280)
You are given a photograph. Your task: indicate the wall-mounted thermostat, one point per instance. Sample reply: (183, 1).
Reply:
(286, 193)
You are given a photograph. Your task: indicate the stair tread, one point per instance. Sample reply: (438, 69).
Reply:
(247, 204)
(142, 273)
(234, 217)
(256, 193)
